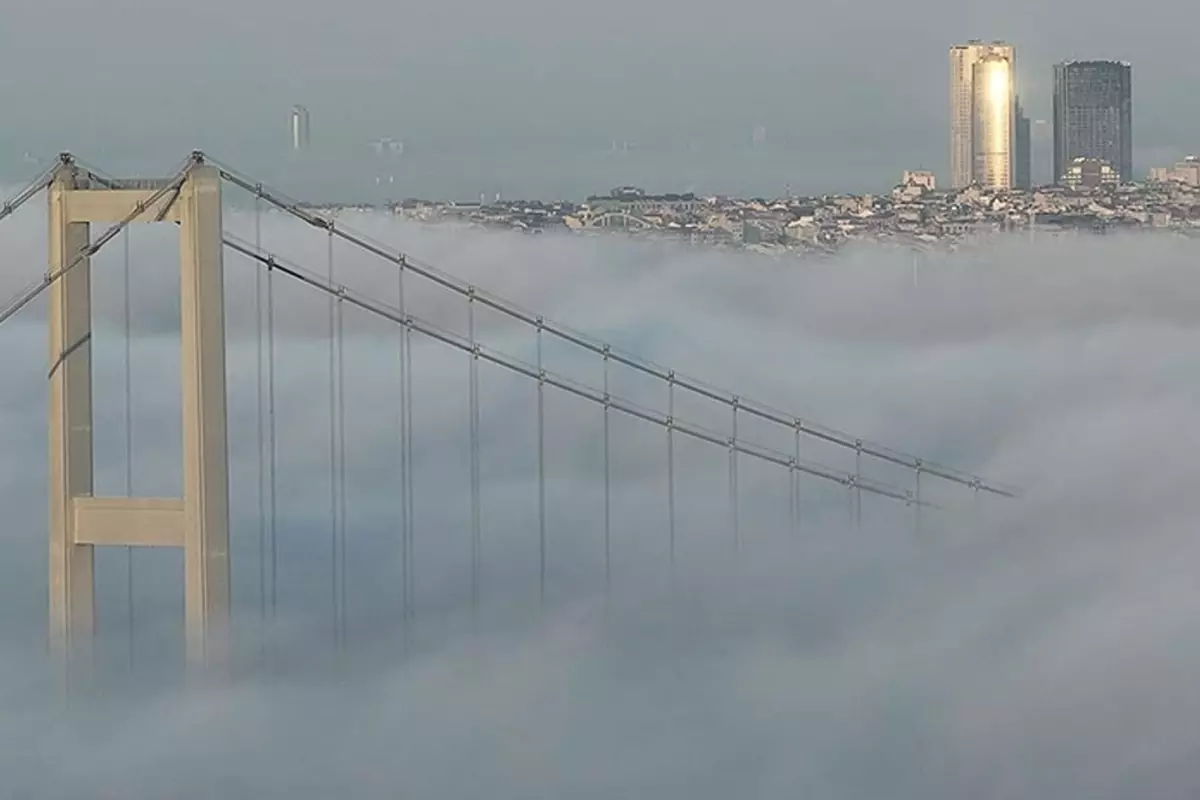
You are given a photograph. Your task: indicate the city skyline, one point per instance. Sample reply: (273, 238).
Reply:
(495, 110)
(1018, 139)
(991, 141)
(990, 132)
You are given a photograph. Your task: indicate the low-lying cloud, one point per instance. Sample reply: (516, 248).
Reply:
(1039, 647)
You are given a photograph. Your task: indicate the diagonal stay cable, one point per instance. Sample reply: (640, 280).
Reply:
(598, 397)
(14, 306)
(754, 408)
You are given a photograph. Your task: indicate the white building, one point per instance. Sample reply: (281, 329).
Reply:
(921, 178)
(300, 130)
(1185, 172)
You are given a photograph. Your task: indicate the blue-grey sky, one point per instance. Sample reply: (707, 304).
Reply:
(521, 96)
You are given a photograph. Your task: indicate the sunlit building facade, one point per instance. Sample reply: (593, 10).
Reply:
(982, 114)
(993, 122)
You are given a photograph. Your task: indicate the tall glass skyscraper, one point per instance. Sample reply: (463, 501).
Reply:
(1093, 115)
(982, 114)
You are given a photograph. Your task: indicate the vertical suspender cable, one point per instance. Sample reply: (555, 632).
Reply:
(917, 503)
(341, 475)
(858, 484)
(409, 477)
(128, 436)
(733, 480)
(541, 424)
(671, 464)
(792, 498)
(476, 542)
(272, 446)
(404, 465)
(333, 498)
(607, 487)
(260, 428)
(794, 480)
(978, 504)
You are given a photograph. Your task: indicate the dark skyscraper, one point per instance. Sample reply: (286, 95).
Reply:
(1022, 151)
(1093, 115)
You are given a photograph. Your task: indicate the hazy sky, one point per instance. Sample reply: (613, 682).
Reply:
(1044, 648)
(850, 94)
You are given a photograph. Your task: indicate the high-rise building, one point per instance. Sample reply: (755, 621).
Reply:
(299, 128)
(982, 96)
(1093, 115)
(1022, 152)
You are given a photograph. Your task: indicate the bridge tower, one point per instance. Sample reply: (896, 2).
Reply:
(198, 521)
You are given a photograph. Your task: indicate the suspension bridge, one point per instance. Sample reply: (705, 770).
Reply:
(197, 522)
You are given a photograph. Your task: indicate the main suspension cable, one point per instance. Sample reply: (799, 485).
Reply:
(14, 306)
(753, 408)
(413, 323)
(14, 203)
